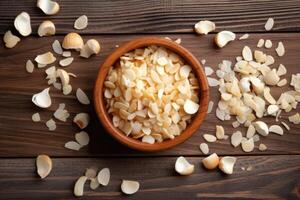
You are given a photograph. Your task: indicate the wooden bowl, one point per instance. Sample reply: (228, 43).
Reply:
(100, 103)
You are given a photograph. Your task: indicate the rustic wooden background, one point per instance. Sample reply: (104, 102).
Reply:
(275, 173)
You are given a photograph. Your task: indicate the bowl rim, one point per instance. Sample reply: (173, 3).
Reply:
(104, 117)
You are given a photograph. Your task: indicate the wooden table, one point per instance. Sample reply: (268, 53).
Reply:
(275, 173)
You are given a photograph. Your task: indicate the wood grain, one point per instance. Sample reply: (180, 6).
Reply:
(272, 177)
(165, 16)
(19, 136)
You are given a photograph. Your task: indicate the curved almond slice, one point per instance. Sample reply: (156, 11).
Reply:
(29, 66)
(276, 129)
(269, 24)
(36, 117)
(91, 47)
(42, 99)
(211, 162)
(226, 164)
(183, 167)
(204, 27)
(130, 187)
(236, 138)
(81, 22)
(280, 50)
(261, 127)
(204, 148)
(260, 43)
(72, 41)
(148, 139)
(248, 145)
(10, 39)
(66, 61)
(82, 97)
(82, 138)
(82, 120)
(247, 53)
(22, 24)
(48, 7)
(45, 59)
(224, 37)
(190, 107)
(56, 46)
(209, 138)
(46, 28)
(73, 145)
(104, 176)
(44, 165)
(79, 186)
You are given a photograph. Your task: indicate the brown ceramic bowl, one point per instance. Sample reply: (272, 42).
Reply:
(99, 101)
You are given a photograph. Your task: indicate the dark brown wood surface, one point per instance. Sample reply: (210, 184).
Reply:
(275, 173)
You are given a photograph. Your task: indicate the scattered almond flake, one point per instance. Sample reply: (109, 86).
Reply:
(285, 126)
(212, 82)
(66, 54)
(210, 106)
(245, 36)
(268, 44)
(94, 184)
(82, 120)
(72, 74)
(10, 39)
(278, 115)
(271, 78)
(82, 138)
(248, 145)
(22, 24)
(43, 165)
(211, 162)
(208, 71)
(148, 139)
(73, 145)
(250, 132)
(281, 70)
(66, 61)
(46, 28)
(247, 53)
(282, 82)
(79, 186)
(190, 107)
(36, 117)
(48, 7)
(56, 46)
(224, 37)
(41, 65)
(227, 163)
(249, 168)
(203, 61)
(51, 125)
(81, 22)
(209, 138)
(295, 119)
(262, 147)
(82, 97)
(61, 113)
(103, 176)
(42, 99)
(269, 24)
(236, 138)
(268, 96)
(204, 148)
(272, 110)
(45, 59)
(29, 66)
(295, 81)
(67, 89)
(260, 43)
(269, 60)
(178, 41)
(220, 133)
(129, 187)
(276, 129)
(280, 50)
(204, 27)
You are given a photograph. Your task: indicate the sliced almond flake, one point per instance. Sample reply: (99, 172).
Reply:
(129, 187)
(82, 97)
(269, 24)
(248, 145)
(67, 89)
(45, 59)
(73, 145)
(285, 126)
(212, 82)
(268, 96)
(272, 110)
(209, 138)
(260, 43)
(103, 176)
(185, 71)
(66, 53)
(220, 114)
(51, 125)
(10, 39)
(66, 61)
(269, 60)
(245, 36)
(250, 132)
(148, 139)
(220, 133)
(82, 138)
(204, 148)
(247, 53)
(295, 119)
(81, 22)
(281, 70)
(268, 44)
(282, 82)
(29, 66)
(276, 129)
(36, 117)
(190, 107)
(256, 138)
(208, 71)
(236, 138)
(94, 184)
(280, 50)
(262, 147)
(56, 46)
(61, 113)
(210, 106)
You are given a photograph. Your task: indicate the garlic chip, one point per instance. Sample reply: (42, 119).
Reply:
(209, 138)
(79, 186)
(82, 138)
(236, 138)
(248, 145)
(130, 187)
(51, 125)
(44, 165)
(72, 41)
(10, 39)
(204, 27)
(91, 47)
(45, 59)
(22, 24)
(82, 97)
(103, 176)
(211, 162)
(227, 164)
(183, 167)
(48, 7)
(269, 24)
(42, 99)
(81, 22)
(82, 120)
(73, 145)
(56, 46)
(224, 37)
(46, 28)
(261, 127)
(66, 61)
